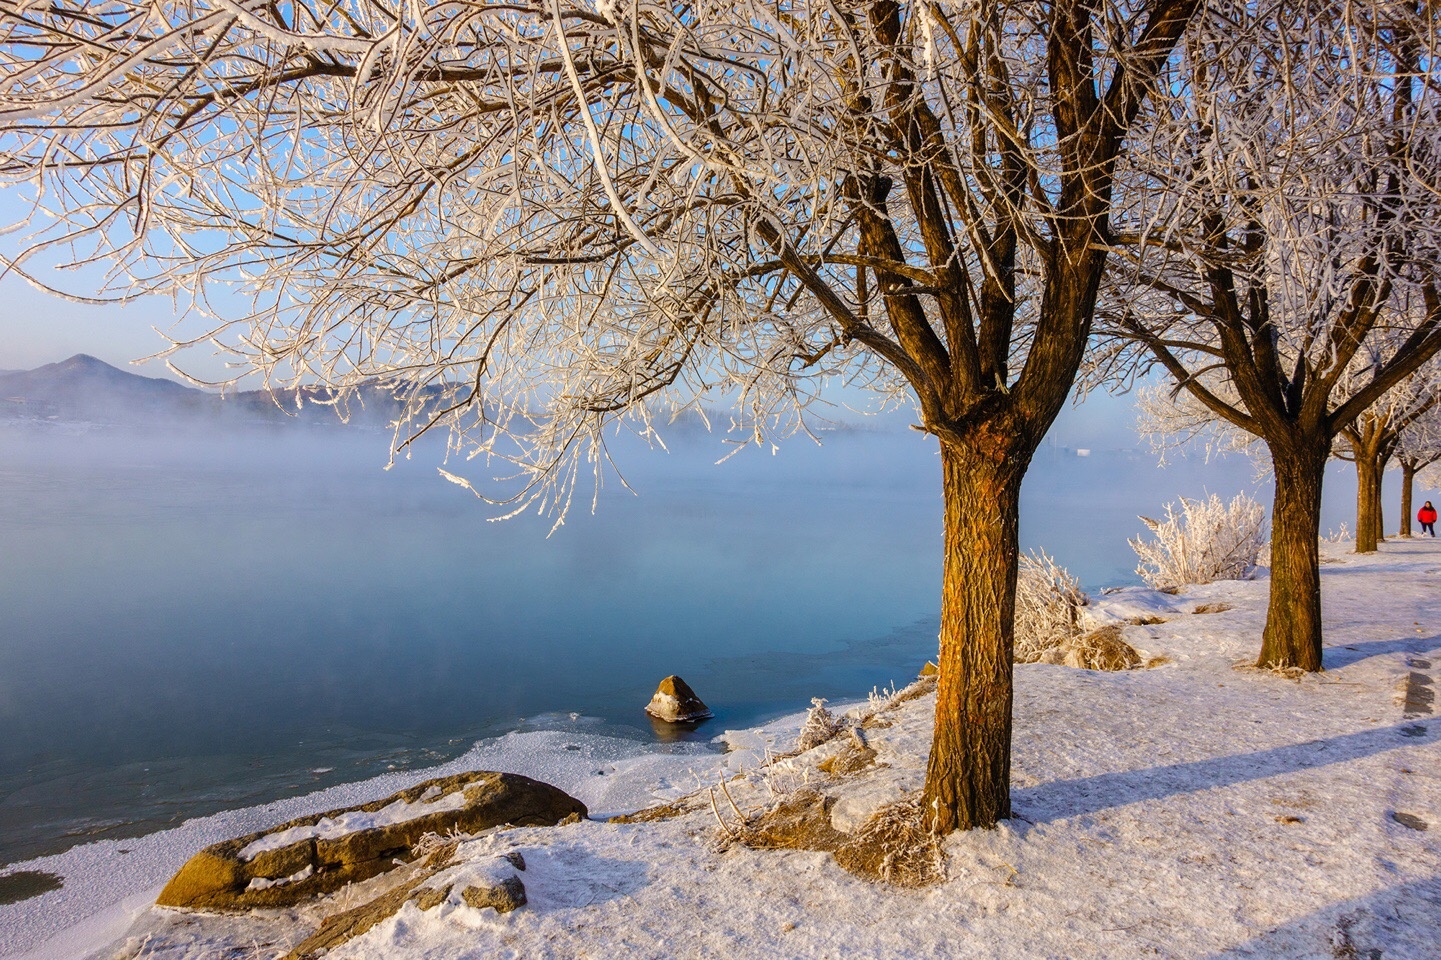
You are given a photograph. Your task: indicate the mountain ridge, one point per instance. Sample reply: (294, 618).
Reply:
(84, 387)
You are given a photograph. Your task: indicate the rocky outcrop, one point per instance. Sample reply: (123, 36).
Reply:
(436, 881)
(676, 702)
(345, 926)
(323, 852)
(492, 883)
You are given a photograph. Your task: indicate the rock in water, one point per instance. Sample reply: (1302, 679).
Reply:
(676, 702)
(323, 852)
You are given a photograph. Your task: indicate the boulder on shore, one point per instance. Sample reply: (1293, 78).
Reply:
(502, 895)
(676, 702)
(323, 852)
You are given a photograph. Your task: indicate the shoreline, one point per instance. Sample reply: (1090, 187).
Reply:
(639, 773)
(1200, 806)
(359, 760)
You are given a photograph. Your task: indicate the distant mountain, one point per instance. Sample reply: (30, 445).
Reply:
(371, 404)
(85, 388)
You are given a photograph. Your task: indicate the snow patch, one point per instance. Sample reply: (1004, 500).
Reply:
(262, 883)
(353, 821)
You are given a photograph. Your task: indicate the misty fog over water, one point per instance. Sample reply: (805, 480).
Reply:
(197, 622)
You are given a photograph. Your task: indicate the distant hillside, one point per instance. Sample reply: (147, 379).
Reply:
(373, 405)
(90, 389)
(85, 388)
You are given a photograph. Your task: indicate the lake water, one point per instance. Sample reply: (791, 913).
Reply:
(197, 623)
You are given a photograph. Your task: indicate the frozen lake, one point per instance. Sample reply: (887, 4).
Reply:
(203, 623)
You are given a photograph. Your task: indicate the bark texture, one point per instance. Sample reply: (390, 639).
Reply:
(968, 777)
(1368, 504)
(1408, 484)
(1292, 637)
(1371, 438)
(1382, 466)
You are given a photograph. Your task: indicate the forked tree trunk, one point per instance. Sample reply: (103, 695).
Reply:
(1292, 637)
(968, 780)
(1368, 503)
(1408, 481)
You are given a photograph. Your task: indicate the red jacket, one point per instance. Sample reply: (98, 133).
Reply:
(1426, 515)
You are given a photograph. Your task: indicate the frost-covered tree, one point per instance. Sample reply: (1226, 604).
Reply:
(1417, 448)
(561, 214)
(1372, 439)
(1283, 216)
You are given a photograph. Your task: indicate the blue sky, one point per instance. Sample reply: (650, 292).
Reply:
(37, 328)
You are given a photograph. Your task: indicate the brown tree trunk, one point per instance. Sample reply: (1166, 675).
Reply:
(1368, 502)
(1292, 637)
(1380, 506)
(1383, 463)
(1408, 481)
(968, 780)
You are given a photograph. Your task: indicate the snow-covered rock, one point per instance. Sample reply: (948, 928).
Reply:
(676, 702)
(323, 852)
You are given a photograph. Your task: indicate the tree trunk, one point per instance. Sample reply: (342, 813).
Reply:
(1292, 637)
(1368, 500)
(1383, 463)
(1408, 481)
(1380, 506)
(968, 780)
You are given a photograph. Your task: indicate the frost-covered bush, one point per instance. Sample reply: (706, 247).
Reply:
(1208, 540)
(1048, 606)
(821, 725)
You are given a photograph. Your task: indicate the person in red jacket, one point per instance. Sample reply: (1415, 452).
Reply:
(1427, 516)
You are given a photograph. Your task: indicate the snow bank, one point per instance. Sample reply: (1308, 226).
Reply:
(1198, 809)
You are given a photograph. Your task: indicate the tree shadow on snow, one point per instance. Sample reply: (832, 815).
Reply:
(1397, 921)
(1061, 799)
(1334, 658)
(563, 876)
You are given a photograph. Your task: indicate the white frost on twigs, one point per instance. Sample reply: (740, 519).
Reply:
(1049, 604)
(1207, 540)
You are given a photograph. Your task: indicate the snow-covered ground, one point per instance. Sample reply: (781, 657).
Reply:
(1196, 809)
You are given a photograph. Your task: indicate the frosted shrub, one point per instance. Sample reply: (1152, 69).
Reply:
(821, 725)
(1048, 606)
(1208, 540)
